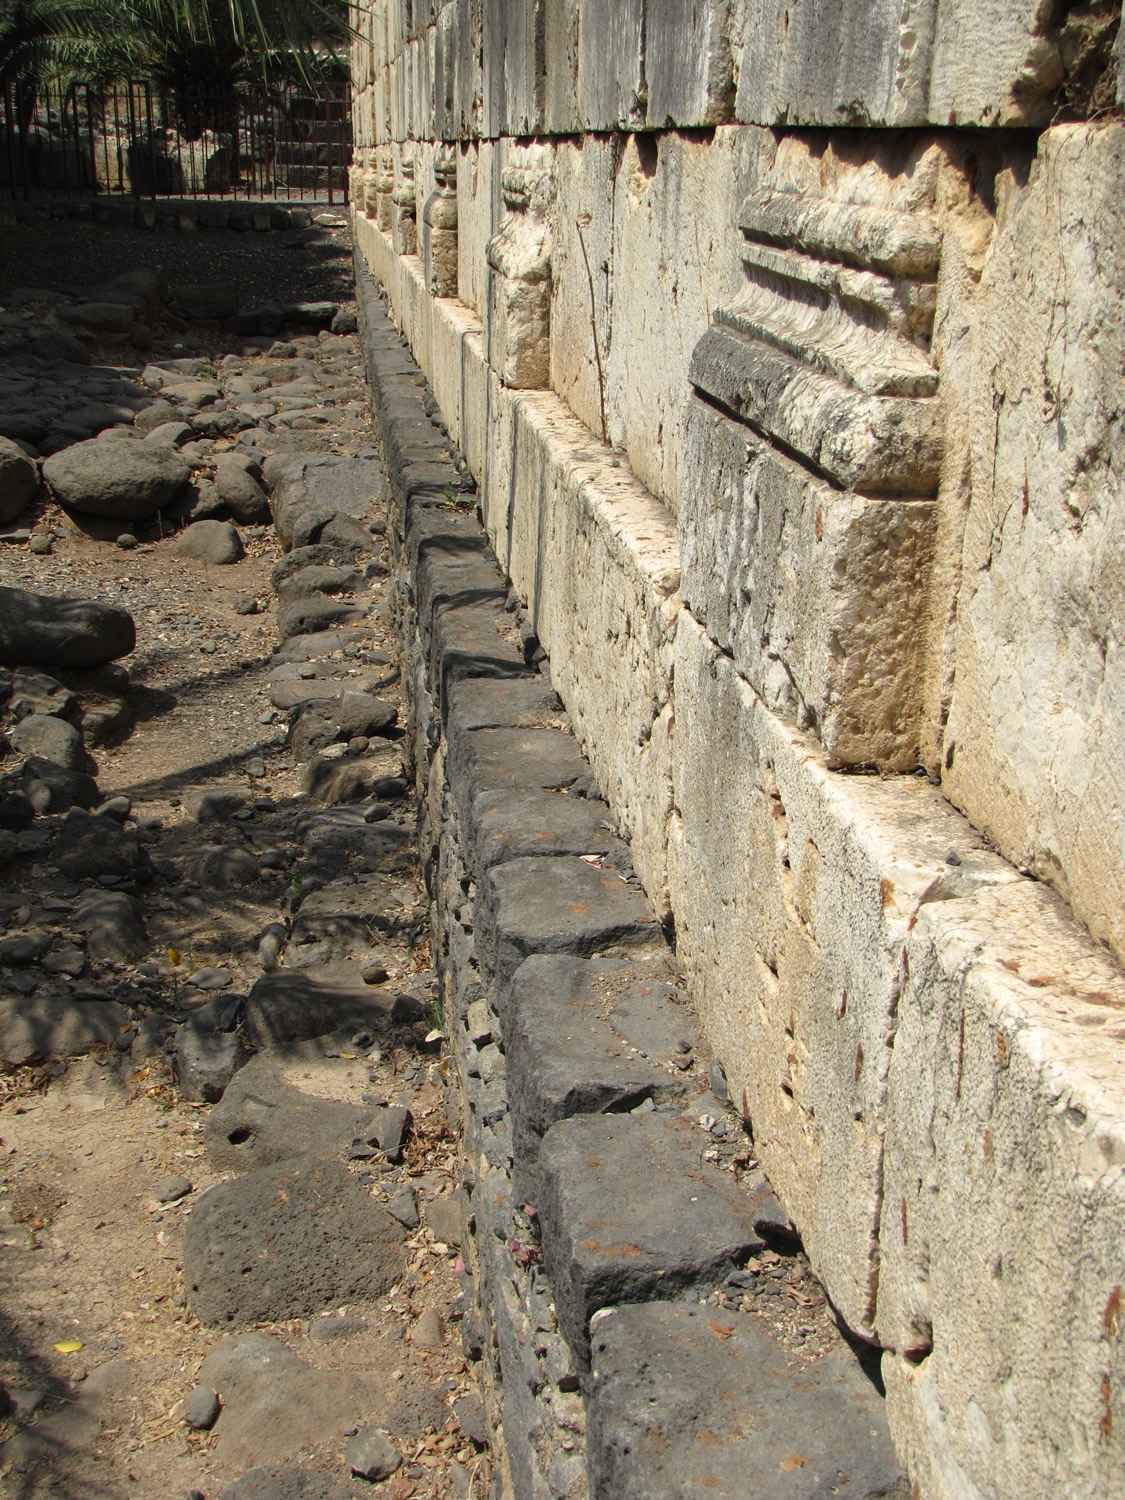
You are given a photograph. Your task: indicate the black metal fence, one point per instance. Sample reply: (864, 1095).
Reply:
(138, 139)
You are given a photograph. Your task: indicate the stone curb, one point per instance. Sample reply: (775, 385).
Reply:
(592, 1178)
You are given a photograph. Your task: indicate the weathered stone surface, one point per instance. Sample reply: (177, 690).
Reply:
(287, 1007)
(307, 616)
(1002, 1184)
(561, 905)
(210, 542)
(86, 847)
(798, 972)
(512, 822)
(954, 63)
(205, 1061)
(287, 1241)
(276, 1482)
(517, 322)
(566, 1052)
(52, 738)
(50, 788)
(48, 631)
(122, 478)
(19, 480)
(33, 1027)
(263, 1116)
(112, 923)
(613, 1235)
(1033, 751)
(241, 493)
(275, 1406)
(659, 1370)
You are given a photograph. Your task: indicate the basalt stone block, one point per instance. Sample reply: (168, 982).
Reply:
(560, 905)
(514, 822)
(490, 760)
(584, 1038)
(503, 703)
(614, 1234)
(687, 1400)
(468, 640)
(287, 1241)
(286, 1007)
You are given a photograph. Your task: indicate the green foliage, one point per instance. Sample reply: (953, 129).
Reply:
(184, 45)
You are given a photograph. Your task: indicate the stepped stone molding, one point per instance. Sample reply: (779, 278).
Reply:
(807, 534)
(384, 187)
(439, 232)
(517, 322)
(404, 203)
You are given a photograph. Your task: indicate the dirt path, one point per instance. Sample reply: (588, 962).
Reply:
(100, 1349)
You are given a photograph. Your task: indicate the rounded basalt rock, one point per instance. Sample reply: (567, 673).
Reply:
(119, 477)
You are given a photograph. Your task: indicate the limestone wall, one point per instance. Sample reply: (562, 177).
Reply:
(784, 343)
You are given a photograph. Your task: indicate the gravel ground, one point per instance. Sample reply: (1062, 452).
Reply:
(97, 1338)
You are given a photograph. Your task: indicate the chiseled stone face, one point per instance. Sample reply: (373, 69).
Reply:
(1034, 751)
(1002, 1261)
(794, 890)
(517, 320)
(901, 62)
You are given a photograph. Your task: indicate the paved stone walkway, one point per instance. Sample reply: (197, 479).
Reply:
(229, 1206)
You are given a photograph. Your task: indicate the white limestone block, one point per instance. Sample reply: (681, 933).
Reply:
(794, 890)
(689, 65)
(1035, 741)
(814, 591)
(610, 76)
(517, 317)
(1002, 1240)
(898, 62)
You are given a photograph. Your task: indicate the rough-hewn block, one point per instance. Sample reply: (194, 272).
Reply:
(770, 1430)
(794, 890)
(815, 591)
(1034, 752)
(1002, 1251)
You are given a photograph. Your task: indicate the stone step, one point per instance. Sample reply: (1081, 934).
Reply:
(684, 1400)
(598, 1173)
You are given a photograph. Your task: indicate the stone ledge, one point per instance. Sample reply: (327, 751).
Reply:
(499, 915)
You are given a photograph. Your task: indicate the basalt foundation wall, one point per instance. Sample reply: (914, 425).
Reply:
(784, 344)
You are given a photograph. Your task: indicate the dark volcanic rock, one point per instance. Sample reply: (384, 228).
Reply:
(118, 477)
(205, 1061)
(662, 1371)
(263, 1119)
(52, 738)
(613, 1234)
(41, 630)
(211, 542)
(38, 1026)
(19, 480)
(287, 1241)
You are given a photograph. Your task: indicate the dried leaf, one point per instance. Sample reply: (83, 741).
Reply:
(720, 1330)
(69, 1346)
(174, 956)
